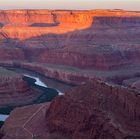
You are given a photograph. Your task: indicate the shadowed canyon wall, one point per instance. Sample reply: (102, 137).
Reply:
(93, 110)
(76, 47)
(14, 91)
(107, 112)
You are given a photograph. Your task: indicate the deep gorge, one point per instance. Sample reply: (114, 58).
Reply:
(90, 57)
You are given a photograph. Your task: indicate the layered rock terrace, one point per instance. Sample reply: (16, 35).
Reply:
(84, 39)
(14, 91)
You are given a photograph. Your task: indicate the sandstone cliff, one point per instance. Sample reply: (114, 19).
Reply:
(14, 91)
(93, 110)
(75, 47)
(96, 110)
(84, 39)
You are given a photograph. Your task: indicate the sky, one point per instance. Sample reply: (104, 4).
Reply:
(133, 5)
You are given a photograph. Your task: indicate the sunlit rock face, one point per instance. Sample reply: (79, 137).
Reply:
(98, 39)
(45, 21)
(94, 40)
(76, 47)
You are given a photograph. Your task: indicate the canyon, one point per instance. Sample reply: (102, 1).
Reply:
(98, 51)
(91, 36)
(13, 90)
(93, 110)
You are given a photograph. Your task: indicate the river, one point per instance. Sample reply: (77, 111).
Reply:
(41, 83)
(3, 117)
(49, 87)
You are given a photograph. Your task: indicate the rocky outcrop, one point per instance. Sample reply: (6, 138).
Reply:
(14, 91)
(93, 110)
(96, 110)
(76, 76)
(75, 47)
(7, 53)
(84, 39)
(52, 71)
(27, 124)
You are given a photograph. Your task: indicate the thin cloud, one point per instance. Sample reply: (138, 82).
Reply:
(70, 4)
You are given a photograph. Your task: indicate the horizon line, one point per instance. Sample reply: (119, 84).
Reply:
(51, 9)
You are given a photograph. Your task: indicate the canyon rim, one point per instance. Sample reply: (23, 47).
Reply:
(91, 57)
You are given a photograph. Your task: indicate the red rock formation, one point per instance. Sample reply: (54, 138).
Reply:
(77, 20)
(24, 128)
(96, 110)
(71, 46)
(76, 76)
(93, 110)
(61, 73)
(14, 91)
(84, 39)
(11, 54)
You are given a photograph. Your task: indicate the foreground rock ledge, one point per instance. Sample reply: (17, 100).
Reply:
(93, 110)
